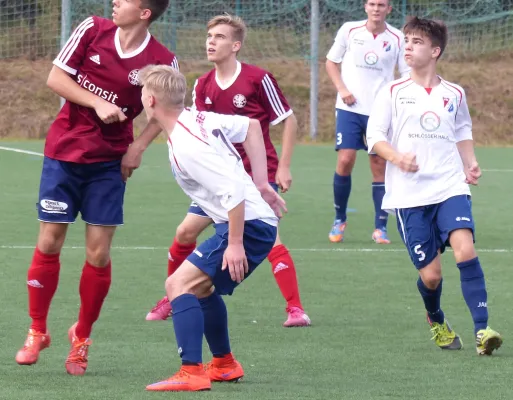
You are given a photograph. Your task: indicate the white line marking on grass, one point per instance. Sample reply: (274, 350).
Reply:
(497, 170)
(325, 250)
(32, 153)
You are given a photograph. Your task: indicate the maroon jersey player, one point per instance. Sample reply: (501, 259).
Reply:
(84, 168)
(232, 88)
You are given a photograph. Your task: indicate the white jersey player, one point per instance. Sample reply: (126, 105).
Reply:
(422, 127)
(368, 52)
(209, 169)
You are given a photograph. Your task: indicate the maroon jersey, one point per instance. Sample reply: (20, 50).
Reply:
(252, 92)
(93, 56)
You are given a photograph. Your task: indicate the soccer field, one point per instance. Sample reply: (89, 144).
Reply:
(369, 339)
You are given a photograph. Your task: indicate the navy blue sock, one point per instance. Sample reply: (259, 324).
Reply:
(474, 291)
(381, 216)
(432, 301)
(189, 327)
(216, 324)
(341, 192)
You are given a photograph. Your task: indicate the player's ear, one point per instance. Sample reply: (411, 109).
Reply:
(436, 52)
(146, 14)
(236, 46)
(151, 101)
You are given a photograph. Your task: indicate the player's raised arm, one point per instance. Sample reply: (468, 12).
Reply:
(333, 65)
(68, 62)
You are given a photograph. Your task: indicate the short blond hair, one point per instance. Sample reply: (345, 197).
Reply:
(237, 23)
(165, 83)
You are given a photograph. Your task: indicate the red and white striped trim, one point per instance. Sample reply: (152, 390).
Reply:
(272, 96)
(174, 64)
(72, 44)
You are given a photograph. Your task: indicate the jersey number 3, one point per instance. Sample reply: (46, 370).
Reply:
(219, 134)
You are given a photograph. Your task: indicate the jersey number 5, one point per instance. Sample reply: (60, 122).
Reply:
(419, 252)
(219, 134)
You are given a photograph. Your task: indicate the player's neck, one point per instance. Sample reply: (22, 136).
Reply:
(168, 120)
(225, 70)
(376, 27)
(425, 77)
(132, 37)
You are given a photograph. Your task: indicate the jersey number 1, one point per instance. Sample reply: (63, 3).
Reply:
(219, 134)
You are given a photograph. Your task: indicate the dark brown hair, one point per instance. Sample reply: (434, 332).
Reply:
(157, 7)
(436, 31)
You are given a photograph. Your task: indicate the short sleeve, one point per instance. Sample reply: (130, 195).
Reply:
(338, 49)
(72, 54)
(273, 100)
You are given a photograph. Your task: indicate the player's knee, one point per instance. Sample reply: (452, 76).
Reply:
(51, 238)
(179, 284)
(185, 234)
(378, 166)
(464, 251)
(431, 278)
(345, 162)
(99, 256)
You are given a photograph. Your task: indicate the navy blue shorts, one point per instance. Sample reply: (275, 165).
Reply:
(195, 209)
(258, 240)
(351, 130)
(95, 190)
(426, 229)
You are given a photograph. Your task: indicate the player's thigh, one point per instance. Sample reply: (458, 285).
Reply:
(456, 225)
(195, 222)
(258, 240)
(98, 244)
(417, 228)
(350, 131)
(188, 279)
(103, 194)
(59, 192)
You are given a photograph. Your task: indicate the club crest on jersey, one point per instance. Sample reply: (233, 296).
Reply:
(133, 77)
(371, 58)
(239, 100)
(448, 105)
(387, 46)
(430, 121)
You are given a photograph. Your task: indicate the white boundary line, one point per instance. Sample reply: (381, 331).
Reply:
(32, 153)
(325, 250)
(35, 153)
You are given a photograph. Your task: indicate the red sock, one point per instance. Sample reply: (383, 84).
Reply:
(94, 286)
(177, 255)
(285, 275)
(42, 281)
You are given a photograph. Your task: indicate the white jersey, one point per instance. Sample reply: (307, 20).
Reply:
(208, 168)
(427, 123)
(368, 62)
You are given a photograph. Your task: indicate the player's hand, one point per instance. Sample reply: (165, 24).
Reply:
(472, 173)
(274, 200)
(283, 179)
(407, 162)
(347, 98)
(235, 260)
(109, 112)
(130, 161)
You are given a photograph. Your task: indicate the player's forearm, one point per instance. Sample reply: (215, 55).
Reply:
(148, 135)
(288, 141)
(62, 84)
(236, 224)
(334, 71)
(255, 149)
(386, 151)
(466, 150)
